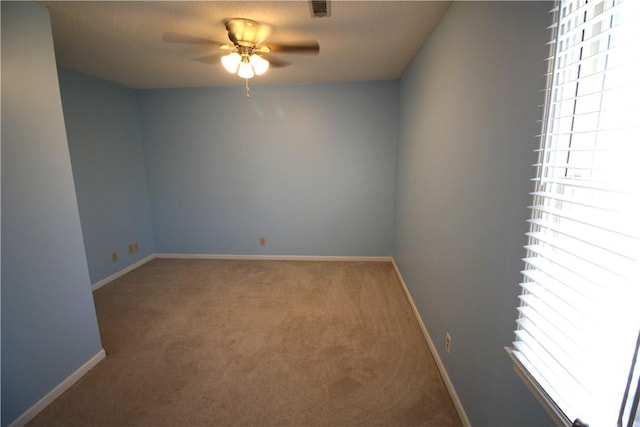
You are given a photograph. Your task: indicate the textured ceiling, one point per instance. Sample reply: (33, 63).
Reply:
(122, 41)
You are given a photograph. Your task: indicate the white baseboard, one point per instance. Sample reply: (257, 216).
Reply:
(30, 413)
(124, 271)
(278, 257)
(121, 273)
(445, 377)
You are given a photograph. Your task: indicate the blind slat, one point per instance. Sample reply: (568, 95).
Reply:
(568, 368)
(619, 225)
(587, 261)
(587, 184)
(572, 200)
(606, 245)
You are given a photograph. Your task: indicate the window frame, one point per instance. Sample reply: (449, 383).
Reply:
(548, 117)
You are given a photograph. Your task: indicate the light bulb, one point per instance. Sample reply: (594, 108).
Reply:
(245, 71)
(259, 64)
(230, 62)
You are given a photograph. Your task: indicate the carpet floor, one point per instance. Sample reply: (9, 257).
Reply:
(257, 343)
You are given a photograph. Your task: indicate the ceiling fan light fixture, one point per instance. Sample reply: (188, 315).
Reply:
(245, 70)
(259, 64)
(231, 62)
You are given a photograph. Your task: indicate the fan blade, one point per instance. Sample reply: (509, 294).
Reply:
(311, 48)
(276, 62)
(172, 37)
(209, 59)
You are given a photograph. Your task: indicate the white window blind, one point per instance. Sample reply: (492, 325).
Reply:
(578, 328)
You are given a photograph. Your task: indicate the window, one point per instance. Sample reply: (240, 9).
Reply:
(576, 343)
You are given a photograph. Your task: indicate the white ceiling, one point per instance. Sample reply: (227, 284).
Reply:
(122, 41)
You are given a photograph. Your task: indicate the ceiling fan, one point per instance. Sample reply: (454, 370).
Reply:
(247, 55)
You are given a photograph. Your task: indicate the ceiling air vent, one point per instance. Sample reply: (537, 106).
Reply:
(320, 8)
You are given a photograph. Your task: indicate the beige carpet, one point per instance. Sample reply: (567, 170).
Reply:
(257, 343)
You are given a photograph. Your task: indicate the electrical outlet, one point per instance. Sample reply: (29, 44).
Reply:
(447, 342)
(131, 249)
(262, 241)
(114, 256)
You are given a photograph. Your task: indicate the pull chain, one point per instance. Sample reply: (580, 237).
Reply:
(246, 87)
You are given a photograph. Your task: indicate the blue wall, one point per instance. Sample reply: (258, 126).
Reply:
(467, 129)
(309, 167)
(105, 142)
(49, 326)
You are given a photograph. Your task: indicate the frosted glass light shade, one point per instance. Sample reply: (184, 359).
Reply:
(259, 64)
(245, 70)
(230, 62)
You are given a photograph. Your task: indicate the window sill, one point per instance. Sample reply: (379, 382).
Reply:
(552, 409)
